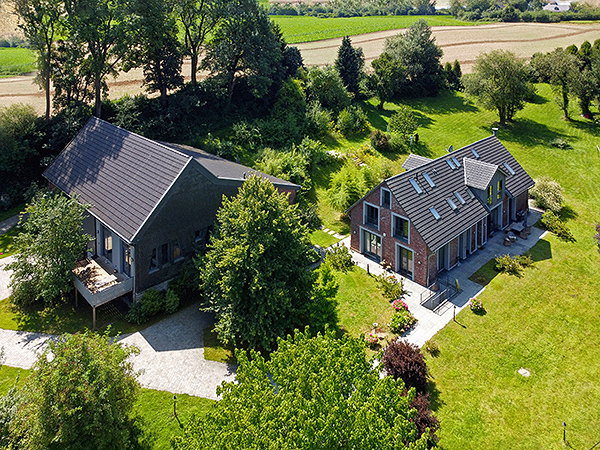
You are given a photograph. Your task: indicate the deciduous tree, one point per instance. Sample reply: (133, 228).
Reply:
(499, 81)
(48, 248)
(312, 393)
(388, 78)
(255, 273)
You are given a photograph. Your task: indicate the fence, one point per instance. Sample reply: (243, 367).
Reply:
(439, 293)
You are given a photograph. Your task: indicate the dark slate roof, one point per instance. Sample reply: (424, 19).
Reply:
(413, 161)
(121, 174)
(478, 174)
(447, 181)
(226, 170)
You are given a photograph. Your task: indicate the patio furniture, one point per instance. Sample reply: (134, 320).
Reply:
(507, 242)
(512, 236)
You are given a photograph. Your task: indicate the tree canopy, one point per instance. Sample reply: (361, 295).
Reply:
(499, 81)
(255, 273)
(349, 64)
(388, 78)
(313, 393)
(80, 395)
(48, 248)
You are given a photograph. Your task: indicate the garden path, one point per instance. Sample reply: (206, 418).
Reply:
(429, 322)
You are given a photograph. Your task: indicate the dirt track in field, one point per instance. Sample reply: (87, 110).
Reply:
(461, 43)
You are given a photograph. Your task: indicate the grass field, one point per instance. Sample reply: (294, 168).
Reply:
(307, 29)
(322, 239)
(154, 408)
(16, 61)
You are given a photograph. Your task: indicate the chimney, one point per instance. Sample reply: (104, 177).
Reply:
(495, 131)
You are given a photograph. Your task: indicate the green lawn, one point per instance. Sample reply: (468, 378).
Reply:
(6, 242)
(154, 408)
(16, 61)
(322, 239)
(307, 28)
(214, 350)
(546, 321)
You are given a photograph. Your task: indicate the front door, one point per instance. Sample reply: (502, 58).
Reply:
(405, 261)
(371, 245)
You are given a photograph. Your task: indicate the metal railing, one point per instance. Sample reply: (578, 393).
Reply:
(438, 293)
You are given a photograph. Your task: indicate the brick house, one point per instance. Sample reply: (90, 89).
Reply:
(438, 212)
(152, 204)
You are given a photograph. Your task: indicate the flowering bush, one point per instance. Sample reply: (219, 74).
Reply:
(402, 321)
(390, 287)
(475, 304)
(372, 339)
(399, 304)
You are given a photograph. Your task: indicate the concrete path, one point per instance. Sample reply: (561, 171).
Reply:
(430, 322)
(171, 354)
(5, 277)
(7, 224)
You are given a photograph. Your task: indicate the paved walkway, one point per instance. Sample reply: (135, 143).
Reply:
(171, 354)
(7, 224)
(429, 322)
(5, 277)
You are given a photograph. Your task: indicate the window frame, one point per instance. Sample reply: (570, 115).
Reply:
(381, 194)
(366, 205)
(396, 217)
(399, 248)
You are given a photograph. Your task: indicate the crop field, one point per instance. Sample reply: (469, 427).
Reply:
(16, 61)
(308, 29)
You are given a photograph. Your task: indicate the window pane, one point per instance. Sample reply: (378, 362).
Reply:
(175, 250)
(164, 254)
(153, 260)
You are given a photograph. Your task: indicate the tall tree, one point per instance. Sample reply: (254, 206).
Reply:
(499, 81)
(159, 51)
(255, 273)
(198, 18)
(349, 64)
(313, 393)
(41, 22)
(244, 45)
(102, 29)
(48, 248)
(80, 395)
(388, 78)
(417, 51)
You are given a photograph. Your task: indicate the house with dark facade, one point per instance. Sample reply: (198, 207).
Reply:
(151, 205)
(438, 212)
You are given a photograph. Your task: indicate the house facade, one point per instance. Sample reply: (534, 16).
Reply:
(438, 212)
(151, 204)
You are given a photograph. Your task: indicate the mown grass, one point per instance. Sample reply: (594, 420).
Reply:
(16, 61)
(322, 239)
(153, 408)
(215, 350)
(546, 321)
(307, 28)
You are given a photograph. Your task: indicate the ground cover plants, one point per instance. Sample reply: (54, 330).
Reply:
(307, 29)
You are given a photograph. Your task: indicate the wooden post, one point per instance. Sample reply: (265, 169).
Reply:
(93, 318)
(76, 296)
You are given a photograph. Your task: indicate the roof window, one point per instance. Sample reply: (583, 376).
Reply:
(415, 185)
(510, 169)
(436, 215)
(451, 203)
(428, 179)
(475, 154)
(460, 198)
(451, 164)
(455, 161)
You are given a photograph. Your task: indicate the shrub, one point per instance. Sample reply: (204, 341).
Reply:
(185, 285)
(561, 143)
(391, 288)
(475, 304)
(325, 86)
(403, 122)
(171, 302)
(553, 224)
(402, 321)
(548, 194)
(404, 361)
(347, 186)
(432, 348)
(340, 258)
(292, 166)
(425, 419)
(151, 304)
(512, 266)
(313, 151)
(352, 120)
(319, 121)
(372, 340)
(380, 141)
(398, 144)
(399, 305)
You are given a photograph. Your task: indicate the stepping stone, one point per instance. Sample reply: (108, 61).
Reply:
(331, 232)
(524, 372)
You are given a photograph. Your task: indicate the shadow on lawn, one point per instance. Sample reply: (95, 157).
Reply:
(528, 133)
(445, 103)
(541, 251)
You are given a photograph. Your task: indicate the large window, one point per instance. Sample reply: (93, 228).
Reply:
(386, 198)
(175, 250)
(405, 261)
(126, 259)
(499, 193)
(371, 215)
(371, 244)
(154, 259)
(164, 254)
(490, 198)
(400, 228)
(107, 243)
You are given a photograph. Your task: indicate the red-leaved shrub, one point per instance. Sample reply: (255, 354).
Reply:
(405, 361)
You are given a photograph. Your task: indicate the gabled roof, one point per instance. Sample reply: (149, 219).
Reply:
(226, 170)
(478, 174)
(413, 161)
(125, 176)
(449, 178)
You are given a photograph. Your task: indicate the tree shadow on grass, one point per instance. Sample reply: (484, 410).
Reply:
(588, 126)
(434, 396)
(445, 103)
(541, 251)
(567, 213)
(527, 132)
(376, 116)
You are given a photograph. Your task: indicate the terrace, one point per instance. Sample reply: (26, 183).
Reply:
(99, 283)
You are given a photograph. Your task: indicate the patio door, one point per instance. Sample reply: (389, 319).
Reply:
(371, 245)
(405, 261)
(442, 258)
(126, 259)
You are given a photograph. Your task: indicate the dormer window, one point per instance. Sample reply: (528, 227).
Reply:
(386, 198)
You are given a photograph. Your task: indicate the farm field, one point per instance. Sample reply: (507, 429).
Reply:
(308, 29)
(16, 61)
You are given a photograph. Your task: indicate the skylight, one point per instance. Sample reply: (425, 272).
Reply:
(475, 154)
(415, 185)
(451, 164)
(460, 198)
(510, 169)
(436, 215)
(428, 179)
(451, 203)
(455, 161)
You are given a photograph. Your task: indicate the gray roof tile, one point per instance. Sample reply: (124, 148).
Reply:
(413, 161)
(478, 174)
